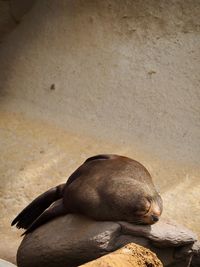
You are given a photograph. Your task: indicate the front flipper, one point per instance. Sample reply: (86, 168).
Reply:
(55, 210)
(29, 214)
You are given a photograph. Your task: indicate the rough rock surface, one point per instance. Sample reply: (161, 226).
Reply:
(162, 234)
(72, 240)
(131, 255)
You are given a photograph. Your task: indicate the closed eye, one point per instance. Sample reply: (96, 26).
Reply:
(146, 209)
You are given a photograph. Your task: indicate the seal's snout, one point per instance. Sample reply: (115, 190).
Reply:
(154, 218)
(154, 212)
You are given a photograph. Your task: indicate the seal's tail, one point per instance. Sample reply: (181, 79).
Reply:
(34, 211)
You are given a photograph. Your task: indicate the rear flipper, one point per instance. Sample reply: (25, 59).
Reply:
(28, 215)
(55, 210)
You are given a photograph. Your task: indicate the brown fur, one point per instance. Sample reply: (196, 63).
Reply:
(114, 188)
(104, 187)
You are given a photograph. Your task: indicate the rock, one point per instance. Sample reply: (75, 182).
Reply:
(162, 234)
(131, 255)
(4, 263)
(72, 240)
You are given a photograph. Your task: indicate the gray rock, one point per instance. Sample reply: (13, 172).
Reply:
(4, 263)
(72, 240)
(163, 234)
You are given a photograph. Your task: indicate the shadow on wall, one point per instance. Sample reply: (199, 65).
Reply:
(11, 12)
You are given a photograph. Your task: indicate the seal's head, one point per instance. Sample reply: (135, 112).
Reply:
(151, 211)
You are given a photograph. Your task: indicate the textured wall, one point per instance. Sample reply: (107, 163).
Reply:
(124, 74)
(127, 69)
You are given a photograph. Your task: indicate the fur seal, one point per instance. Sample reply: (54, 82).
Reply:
(105, 187)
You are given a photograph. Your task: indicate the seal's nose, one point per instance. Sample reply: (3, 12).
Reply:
(154, 218)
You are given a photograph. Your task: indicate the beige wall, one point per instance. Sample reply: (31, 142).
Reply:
(124, 70)
(126, 75)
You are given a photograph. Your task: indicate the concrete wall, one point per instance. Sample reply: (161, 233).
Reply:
(86, 77)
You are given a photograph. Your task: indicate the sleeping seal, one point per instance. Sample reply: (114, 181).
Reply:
(104, 188)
